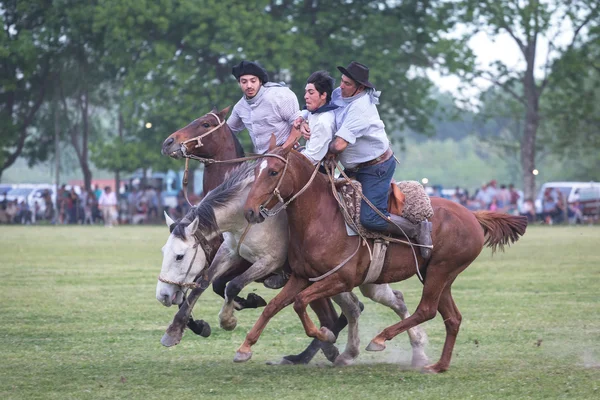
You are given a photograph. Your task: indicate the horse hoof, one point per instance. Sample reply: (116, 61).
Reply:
(343, 361)
(327, 335)
(419, 361)
(256, 301)
(242, 357)
(433, 369)
(200, 327)
(331, 352)
(283, 361)
(375, 346)
(169, 341)
(229, 325)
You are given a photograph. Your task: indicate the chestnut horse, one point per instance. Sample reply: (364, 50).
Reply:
(319, 243)
(217, 142)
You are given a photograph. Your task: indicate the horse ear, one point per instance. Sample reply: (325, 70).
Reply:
(192, 228)
(169, 220)
(223, 113)
(272, 142)
(214, 110)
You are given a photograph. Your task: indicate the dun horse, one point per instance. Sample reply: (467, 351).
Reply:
(319, 243)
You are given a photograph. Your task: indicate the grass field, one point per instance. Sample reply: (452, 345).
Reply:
(79, 320)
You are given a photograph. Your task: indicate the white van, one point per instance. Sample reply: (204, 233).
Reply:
(570, 191)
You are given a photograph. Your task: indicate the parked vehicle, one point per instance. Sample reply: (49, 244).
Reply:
(570, 191)
(589, 201)
(5, 188)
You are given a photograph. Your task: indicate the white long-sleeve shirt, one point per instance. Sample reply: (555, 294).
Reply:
(107, 199)
(322, 129)
(272, 111)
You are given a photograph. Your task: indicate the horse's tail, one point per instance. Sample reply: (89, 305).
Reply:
(500, 229)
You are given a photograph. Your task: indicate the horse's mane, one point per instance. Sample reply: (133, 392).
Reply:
(236, 181)
(239, 150)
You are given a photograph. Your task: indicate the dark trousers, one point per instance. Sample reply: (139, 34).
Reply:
(375, 181)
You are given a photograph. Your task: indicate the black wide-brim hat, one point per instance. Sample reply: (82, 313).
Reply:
(357, 72)
(250, 68)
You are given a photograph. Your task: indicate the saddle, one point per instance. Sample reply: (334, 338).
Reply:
(406, 198)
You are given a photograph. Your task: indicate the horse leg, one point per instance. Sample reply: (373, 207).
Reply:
(426, 310)
(259, 269)
(174, 333)
(452, 320)
(284, 298)
(384, 294)
(327, 317)
(349, 304)
(175, 330)
(234, 265)
(327, 287)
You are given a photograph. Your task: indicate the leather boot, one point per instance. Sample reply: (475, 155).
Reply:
(421, 233)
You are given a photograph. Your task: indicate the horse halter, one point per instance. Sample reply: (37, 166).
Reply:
(199, 241)
(198, 139)
(264, 211)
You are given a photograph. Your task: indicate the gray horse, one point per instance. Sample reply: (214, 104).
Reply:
(265, 246)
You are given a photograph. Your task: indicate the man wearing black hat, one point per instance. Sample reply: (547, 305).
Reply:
(362, 146)
(266, 108)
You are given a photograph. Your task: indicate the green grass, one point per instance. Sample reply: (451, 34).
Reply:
(79, 320)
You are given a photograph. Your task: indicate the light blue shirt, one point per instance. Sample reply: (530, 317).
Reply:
(358, 123)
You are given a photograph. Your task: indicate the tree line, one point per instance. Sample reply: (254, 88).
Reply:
(91, 75)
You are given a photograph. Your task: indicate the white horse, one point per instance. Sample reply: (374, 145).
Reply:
(265, 246)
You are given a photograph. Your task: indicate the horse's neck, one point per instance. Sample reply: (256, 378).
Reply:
(214, 174)
(230, 217)
(314, 210)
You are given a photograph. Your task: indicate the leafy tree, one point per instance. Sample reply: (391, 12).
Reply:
(527, 23)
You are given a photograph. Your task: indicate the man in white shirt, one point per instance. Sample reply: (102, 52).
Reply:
(319, 114)
(266, 108)
(362, 146)
(108, 205)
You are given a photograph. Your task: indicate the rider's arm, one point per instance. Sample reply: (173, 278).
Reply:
(234, 122)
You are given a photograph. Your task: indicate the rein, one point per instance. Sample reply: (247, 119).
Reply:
(264, 211)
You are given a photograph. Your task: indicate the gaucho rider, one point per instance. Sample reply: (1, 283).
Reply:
(266, 108)
(362, 146)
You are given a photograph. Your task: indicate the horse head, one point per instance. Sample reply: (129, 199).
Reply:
(183, 260)
(273, 182)
(199, 137)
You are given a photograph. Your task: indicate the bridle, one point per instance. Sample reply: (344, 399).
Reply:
(198, 139)
(199, 241)
(264, 211)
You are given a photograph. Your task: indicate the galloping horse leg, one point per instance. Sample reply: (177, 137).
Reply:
(252, 301)
(259, 269)
(426, 310)
(284, 298)
(221, 263)
(327, 317)
(349, 304)
(327, 287)
(383, 294)
(174, 332)
(452, 320)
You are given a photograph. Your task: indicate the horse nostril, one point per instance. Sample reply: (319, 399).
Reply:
(169, 141)
(249, 215)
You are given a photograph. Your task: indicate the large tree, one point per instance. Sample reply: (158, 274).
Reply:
(527, 23)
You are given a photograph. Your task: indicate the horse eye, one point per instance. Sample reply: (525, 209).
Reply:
(206, 125)
(273, 173)
(179, 257)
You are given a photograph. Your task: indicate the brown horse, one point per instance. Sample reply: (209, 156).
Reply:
(217, 142)
(319, 243)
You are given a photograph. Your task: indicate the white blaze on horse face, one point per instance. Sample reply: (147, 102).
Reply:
(263, 166)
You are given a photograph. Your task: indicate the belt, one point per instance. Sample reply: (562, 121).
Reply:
(382, 158)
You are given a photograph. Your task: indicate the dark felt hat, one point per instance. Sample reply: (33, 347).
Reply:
(250, 68)
(357, 72)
